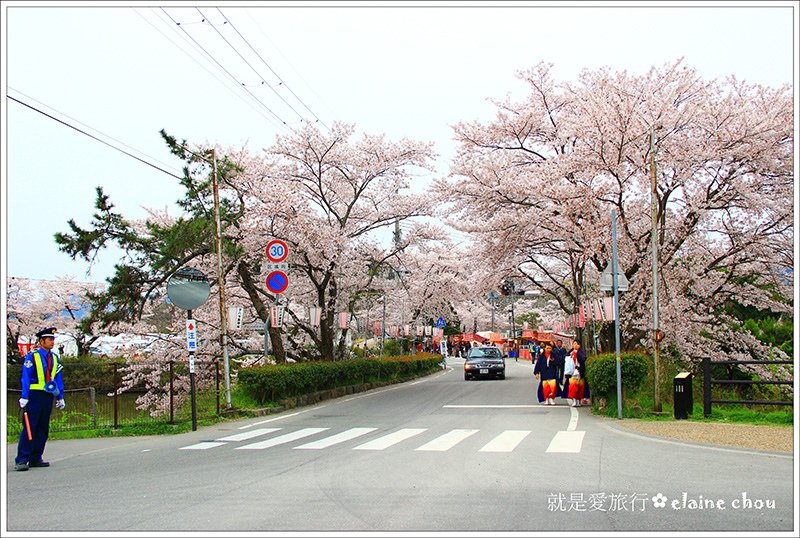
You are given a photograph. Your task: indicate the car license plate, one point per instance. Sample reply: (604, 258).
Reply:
(484, 370)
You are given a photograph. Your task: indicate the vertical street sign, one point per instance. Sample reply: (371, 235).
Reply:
(191, 339)
(277, 267)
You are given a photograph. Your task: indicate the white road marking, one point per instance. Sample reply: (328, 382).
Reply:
(289, 437)
(508, 406)
(566, 441)
(448, 440)
(573, 419)
(269, 420)
(205, 445)
(338, 438)
(506, 441)
(248, 435)
(386, 441)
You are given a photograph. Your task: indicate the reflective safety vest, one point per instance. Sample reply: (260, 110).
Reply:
(40, 370)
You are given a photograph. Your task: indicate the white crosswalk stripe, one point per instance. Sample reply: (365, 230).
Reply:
(567, 441)
(205, 445)
(352, 433)
(447, 441)
(506, 441)
(288, 438)
(248, 435)
(382, 443)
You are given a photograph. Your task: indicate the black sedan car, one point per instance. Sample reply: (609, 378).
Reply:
(485, 361)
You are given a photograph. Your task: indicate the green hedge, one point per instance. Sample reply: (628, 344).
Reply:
(276, 382)
(601, 372)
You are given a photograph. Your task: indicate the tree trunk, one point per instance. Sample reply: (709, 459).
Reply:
(275, 333)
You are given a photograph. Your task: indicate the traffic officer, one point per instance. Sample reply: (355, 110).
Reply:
(41, 384)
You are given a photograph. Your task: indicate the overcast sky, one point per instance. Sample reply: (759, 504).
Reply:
(121, 72)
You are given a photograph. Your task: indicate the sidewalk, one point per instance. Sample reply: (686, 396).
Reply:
(757, 437)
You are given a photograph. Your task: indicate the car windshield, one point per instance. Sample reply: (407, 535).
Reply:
(477, 353)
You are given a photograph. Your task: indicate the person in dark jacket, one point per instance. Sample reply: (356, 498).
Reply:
(578, 389)
(560, 352)
(42, 384)
(546, 372)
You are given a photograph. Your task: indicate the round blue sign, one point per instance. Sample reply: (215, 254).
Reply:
(277, 282)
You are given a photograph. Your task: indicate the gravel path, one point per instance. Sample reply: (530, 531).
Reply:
(771, 438)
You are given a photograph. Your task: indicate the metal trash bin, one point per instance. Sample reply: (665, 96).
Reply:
(682, 395)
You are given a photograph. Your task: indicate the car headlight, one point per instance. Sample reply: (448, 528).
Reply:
(467, 366)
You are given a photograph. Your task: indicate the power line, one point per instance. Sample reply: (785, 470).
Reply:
(270, 68)
(93, 137)
(195, 60)
(226, 71)
(90, 127)
(245, 60)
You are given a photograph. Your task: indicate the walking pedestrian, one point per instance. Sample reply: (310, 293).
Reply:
(578, 390)
(41, 384)
(569, 379)
(546, 371)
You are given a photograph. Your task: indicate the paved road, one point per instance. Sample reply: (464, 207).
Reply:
(437, 454)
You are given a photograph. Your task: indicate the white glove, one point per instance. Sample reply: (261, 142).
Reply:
(60, 404)
(23, 402)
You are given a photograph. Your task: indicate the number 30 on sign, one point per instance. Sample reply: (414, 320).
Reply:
(277, 251)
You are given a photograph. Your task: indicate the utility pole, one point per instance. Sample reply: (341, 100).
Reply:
(383, 325)
(654, 242)
(615, 285)
(221, 282)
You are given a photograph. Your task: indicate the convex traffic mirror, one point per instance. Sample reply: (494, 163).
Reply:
(188, 288)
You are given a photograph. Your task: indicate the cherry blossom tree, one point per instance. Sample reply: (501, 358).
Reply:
(33, 304)
(536, 187)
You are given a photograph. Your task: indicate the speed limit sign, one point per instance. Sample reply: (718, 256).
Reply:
(277, 251)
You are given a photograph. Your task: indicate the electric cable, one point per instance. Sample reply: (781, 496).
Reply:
(90, 127)
(270, 68)
(248, 63)
(226, 71)
(195, 60)
(94, 137)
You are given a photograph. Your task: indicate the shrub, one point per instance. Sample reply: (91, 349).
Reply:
(392, 348)
(601, 372)
(276, 382)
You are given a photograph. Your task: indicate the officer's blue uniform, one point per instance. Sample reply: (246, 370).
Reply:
(40, 402)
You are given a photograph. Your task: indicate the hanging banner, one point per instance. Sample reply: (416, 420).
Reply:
(581, 317)
(276, 316)
(343, 319)
(420, 330)
(315, 313)
(395, 331)
(598, 310)
(376, 328)
(608, 308)
(407, 330)
(427, 330)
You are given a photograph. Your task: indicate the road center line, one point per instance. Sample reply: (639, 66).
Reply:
(508, 406)
(573, 419)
